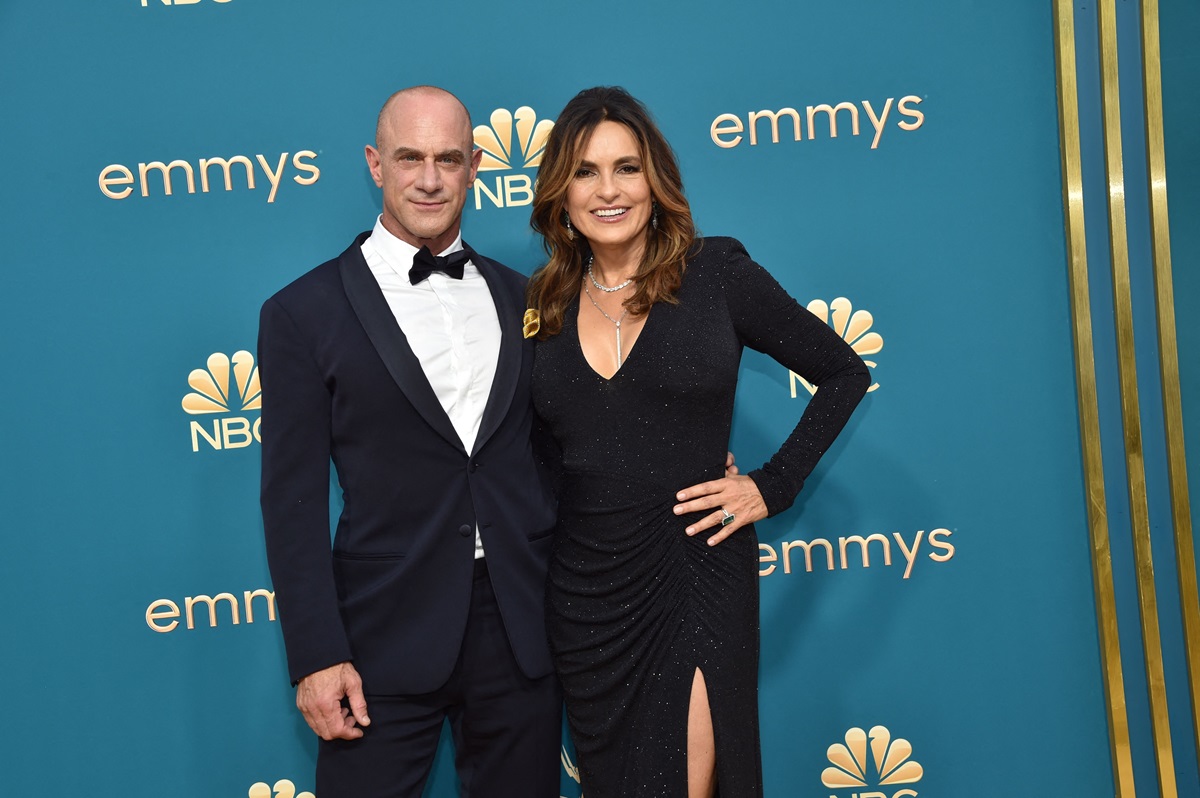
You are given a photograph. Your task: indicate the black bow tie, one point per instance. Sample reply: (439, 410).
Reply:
(426, 263)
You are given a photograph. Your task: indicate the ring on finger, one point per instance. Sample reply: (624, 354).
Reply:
(728, 517)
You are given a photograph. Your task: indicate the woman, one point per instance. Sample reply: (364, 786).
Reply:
(653, 625)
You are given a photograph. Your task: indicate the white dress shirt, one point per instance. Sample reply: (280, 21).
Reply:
(451, 326)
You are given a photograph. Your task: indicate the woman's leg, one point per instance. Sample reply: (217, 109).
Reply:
(701, 750)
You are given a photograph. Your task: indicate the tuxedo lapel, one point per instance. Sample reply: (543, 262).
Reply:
(377, 319)
(508, 365)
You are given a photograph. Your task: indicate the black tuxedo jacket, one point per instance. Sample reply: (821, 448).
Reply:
(341, 383)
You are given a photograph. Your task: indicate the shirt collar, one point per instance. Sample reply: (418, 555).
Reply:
(397, 253)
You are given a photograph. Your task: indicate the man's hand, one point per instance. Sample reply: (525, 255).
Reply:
(730, 468)
(319, 697)
(737, 495)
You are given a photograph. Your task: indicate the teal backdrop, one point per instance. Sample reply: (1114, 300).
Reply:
(947, 602)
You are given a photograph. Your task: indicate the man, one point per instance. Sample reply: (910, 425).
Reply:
(411, 373)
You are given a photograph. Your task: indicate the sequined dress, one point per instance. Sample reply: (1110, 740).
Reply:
(635, 606)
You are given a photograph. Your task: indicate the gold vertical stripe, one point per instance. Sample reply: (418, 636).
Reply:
(1168, 354)
(1139, 513)
(1089, 414)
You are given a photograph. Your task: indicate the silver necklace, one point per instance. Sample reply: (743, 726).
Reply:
(616, 322)
(596, 282)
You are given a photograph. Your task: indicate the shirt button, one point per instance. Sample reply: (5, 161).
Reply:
(465, 530)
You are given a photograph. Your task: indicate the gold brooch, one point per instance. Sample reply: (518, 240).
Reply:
(531, 323)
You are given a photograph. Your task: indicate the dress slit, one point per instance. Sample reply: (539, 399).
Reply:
(702, 687)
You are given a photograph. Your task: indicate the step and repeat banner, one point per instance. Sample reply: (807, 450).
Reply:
(928, 625)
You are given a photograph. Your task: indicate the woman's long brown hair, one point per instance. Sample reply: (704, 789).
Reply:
(555, 286)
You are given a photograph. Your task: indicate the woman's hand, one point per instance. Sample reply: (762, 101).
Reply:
(738, 496)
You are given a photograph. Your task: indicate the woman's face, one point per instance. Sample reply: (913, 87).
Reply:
(609, 199)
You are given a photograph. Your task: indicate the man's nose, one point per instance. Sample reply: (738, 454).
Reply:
(429, 179)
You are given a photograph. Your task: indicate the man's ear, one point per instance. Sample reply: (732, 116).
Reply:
(476, 159)
(375, 164)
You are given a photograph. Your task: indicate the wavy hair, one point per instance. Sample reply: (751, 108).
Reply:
(555, 286)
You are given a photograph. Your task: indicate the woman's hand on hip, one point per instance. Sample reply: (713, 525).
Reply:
(735, 502)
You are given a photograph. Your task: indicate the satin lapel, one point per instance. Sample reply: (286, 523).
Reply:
(508, 366)
(380, 324)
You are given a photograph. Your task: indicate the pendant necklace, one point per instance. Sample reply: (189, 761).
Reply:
(617, 321)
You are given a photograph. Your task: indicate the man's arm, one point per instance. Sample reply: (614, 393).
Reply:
(296, 432)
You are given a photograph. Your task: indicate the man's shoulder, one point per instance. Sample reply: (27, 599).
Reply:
(316, 280)
(316, 284)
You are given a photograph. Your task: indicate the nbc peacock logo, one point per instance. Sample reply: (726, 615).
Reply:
(570, 768)
(891, 764)
(512, 140)
(224, 389)
(854, 326)
(284, 788)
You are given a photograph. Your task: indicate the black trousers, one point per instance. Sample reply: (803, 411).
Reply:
(507, 728)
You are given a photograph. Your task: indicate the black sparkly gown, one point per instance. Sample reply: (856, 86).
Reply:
(635, 606)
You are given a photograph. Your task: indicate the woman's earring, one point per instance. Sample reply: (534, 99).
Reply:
(570, 229)
(654, 216)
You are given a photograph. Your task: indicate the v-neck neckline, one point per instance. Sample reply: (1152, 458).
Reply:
(625, 361)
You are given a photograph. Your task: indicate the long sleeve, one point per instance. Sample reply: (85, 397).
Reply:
(296, 431)
(767, 319)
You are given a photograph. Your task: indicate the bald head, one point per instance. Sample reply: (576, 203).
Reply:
(421, 100)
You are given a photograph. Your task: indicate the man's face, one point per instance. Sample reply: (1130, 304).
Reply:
(425, 162)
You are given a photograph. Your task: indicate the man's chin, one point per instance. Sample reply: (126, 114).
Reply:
(428, 229)
(435, 224)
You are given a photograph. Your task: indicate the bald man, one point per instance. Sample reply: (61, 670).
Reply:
(402, 361)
